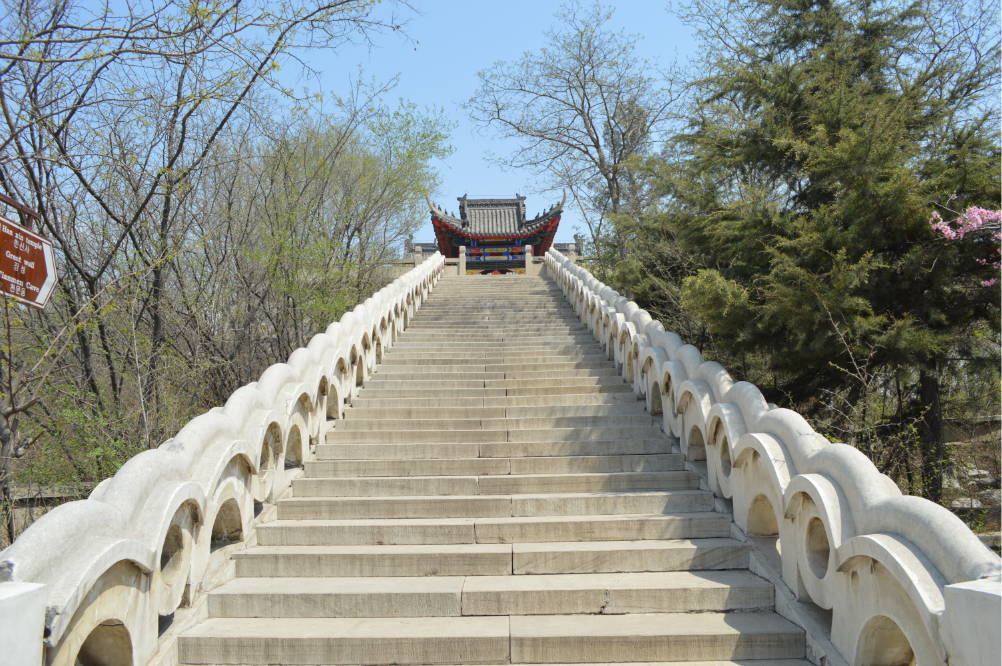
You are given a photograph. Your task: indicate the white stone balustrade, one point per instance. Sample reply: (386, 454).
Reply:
(137, 549)
(850, 542)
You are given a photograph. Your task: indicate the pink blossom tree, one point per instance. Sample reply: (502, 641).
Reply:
(979, 223)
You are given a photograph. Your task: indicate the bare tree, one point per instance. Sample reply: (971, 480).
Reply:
(581, 107)
(145, 135)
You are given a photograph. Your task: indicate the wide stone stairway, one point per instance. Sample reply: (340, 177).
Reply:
(495, 494)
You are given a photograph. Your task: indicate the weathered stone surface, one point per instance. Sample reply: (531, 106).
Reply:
(383, 560)
(675, 501)
(601, 528)
(464, 640)
(345, 508)
(615, 594)
(614, 556)
(653, 637)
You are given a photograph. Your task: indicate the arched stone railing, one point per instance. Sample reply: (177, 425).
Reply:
(137, 549)
(850, 542)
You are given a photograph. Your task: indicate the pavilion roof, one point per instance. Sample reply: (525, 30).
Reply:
(482, 218)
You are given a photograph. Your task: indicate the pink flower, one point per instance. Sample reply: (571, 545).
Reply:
(972, 219)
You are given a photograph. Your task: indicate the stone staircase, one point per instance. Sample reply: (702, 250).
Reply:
(495, 494)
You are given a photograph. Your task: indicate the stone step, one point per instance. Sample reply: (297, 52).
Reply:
(454, 596)
(485, 337)
(376, 560)
(446, 358)
(363, 412)
(459, 355)
(320, 469)
(492, 559)
(462, 401)
(358, 508)
(514, 364)
(474, 298)
(492, 530)
(413, 391)
(469, 436)
(522, 325)
(506, 348)
(387, 382)
(543, 529)
(503, 423)
(495, 506)
(526, 362)
(484, 466)
(541, 312)
(542, 639)
(495, 342)
(555, 383)
(621, 556)
(571, 389)
(444, 300)
(394, 451)
(556, 387)
(567, 639)
(715, 662)
(440, 373)
(507, 339)
(531, 317)
(361, 641)
(499, 484)
(591, 464)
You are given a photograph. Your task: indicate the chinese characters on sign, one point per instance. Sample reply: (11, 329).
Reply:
(27, 265)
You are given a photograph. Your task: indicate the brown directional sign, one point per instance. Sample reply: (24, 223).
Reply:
(27, 265)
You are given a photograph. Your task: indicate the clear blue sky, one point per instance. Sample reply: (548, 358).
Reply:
(456, 39)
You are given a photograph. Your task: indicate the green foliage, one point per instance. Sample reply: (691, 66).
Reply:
(820, 140)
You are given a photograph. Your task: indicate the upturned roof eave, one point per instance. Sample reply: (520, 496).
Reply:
(527, 230)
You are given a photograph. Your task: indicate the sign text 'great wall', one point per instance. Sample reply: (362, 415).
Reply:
(27, 265)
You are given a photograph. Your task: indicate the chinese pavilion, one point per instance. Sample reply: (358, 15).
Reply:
(495, 233)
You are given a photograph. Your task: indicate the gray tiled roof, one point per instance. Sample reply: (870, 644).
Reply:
(493, 216)
(490, 217)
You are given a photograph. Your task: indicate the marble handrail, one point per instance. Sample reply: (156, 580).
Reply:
(137, 548)
(850, 542)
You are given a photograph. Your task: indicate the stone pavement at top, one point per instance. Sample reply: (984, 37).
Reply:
(495, 494)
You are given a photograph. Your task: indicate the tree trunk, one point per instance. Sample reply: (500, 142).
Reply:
(934, 458)
(7, 503)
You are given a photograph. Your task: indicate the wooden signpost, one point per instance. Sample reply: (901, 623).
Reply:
(27, 261)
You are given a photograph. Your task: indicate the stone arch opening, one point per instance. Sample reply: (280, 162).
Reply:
(818, 547)
(624, 344)
(695, 439)
(882, 643)
(655, 399)
(725, 453)
(109, 644)
(762, 517)
(311, 412)
(228, 526)
(267, 461)
(294, 453)
(266, 468)
(172, 555)
(333, 403)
